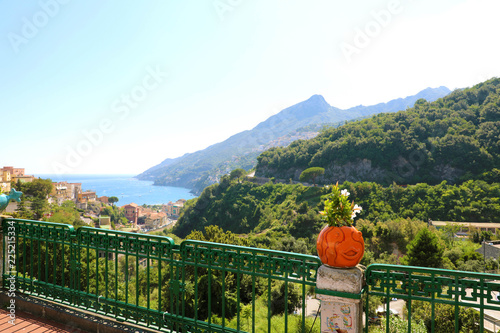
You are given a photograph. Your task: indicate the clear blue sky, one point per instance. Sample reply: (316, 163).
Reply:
(117, 86)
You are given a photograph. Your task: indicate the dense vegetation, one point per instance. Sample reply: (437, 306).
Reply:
(34, 199)
(245, 207)
(471, 201)
(455, 138)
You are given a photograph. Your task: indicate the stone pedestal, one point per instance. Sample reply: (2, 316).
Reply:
(341, 306)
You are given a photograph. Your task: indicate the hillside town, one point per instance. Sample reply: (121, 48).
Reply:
(9, 175)
(94, 210)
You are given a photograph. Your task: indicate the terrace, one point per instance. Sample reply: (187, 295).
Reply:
(112, 281)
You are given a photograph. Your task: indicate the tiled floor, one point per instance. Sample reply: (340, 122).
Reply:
(25, 322)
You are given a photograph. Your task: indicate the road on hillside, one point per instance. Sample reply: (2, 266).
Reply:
(312, 307)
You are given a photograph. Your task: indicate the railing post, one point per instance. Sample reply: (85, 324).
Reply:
(339, 290)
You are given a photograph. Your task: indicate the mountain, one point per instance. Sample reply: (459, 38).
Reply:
(300, 121)
(454, 139)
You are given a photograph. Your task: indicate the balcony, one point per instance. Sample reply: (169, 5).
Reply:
(151, 283)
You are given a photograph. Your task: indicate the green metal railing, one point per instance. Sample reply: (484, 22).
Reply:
(428, 289)
(208, 287)
(151, 281)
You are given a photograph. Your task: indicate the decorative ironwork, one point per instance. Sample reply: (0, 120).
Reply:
(438, 285)
(123, 275)
(435, 286)
(252, 261)
(151, 281)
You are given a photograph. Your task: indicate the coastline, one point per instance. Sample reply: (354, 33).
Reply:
(126, 187)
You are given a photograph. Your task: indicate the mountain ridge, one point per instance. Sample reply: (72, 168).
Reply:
(453, 139)
(205, 167)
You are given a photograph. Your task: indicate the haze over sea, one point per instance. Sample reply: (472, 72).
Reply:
(126, 188)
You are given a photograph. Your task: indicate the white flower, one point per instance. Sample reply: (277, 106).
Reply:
(344, 193)
(355, 210)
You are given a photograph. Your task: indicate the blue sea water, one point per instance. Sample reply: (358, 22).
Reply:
(126, 188)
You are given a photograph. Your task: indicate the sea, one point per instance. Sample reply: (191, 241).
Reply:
(125, 187)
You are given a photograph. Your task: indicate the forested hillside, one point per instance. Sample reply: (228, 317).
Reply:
(244, 207)
(455, 138)
(285, 217)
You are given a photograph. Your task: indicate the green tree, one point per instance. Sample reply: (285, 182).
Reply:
(38, 206)
(39, 188)
(311, 174)
(425, 250)
(112, 200)
(237, 174)
(66, 213)
(37, 192)
(246, 313)
(444, 320)
(449, 230)
(278, 300)
(22, 210)
(215, 234)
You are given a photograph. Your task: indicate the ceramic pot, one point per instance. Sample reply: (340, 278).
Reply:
(340, 247)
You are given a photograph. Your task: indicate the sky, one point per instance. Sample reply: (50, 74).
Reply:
(116, 87)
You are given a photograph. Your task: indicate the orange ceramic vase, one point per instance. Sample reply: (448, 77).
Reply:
(340, 247)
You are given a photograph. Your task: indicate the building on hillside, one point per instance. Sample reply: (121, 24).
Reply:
(104, 220)
(23, 179)
(84, 198)
(87, 196)
(103, 199)
(5, 180)
(155, 220)
(150, 219)
(131, 212)
(143, 214)
(490, 250)
(63, 191)
(465, 227)
(14, 172)
(5, 175)
(174, 209)
(11, 174)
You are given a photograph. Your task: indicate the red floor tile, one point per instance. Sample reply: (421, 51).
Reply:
(25, 322)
